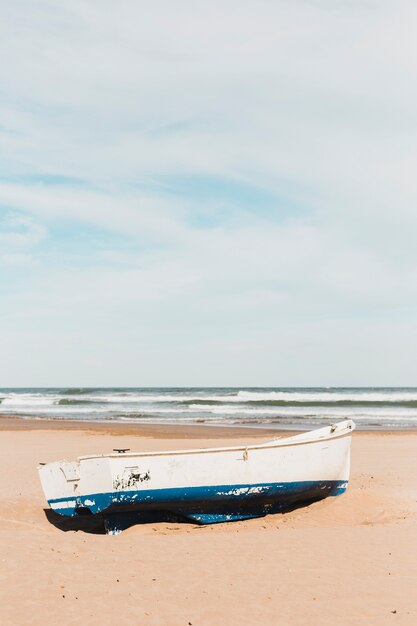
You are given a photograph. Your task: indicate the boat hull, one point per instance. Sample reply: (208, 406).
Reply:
(202, 505)
(205, 486)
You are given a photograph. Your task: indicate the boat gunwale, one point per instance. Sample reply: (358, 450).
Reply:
(346, 429)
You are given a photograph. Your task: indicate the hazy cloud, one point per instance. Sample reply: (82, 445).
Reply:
(224, 191)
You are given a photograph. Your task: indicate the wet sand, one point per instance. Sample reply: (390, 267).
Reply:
(346, 560)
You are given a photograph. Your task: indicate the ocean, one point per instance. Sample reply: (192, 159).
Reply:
(295, 408)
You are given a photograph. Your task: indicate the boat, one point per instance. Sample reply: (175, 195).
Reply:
(205, 486)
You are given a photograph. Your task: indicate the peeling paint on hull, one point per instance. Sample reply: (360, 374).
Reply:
(204, 505)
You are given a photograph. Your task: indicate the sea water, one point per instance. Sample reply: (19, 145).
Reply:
(371, 407)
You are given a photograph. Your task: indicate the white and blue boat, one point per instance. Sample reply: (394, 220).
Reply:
(205, 485)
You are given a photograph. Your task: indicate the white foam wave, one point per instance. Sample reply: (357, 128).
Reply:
(25, 400)
(228, 397)
(243, 396)
(52, 411)
(301, 411)
(233, 406)
(327, 396)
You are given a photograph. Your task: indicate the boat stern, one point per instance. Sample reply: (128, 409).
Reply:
(59, 482)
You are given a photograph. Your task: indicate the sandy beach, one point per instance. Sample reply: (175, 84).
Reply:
(346, 560)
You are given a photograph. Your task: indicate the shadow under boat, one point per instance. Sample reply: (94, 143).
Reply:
(111, 523)
(114, 522)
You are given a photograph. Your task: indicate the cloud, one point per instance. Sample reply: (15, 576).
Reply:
(19, 231)
(229, 174)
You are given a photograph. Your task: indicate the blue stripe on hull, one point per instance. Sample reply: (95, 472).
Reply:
(205, 505)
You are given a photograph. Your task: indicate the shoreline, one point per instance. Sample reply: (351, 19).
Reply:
(157, 430)
(169, 430)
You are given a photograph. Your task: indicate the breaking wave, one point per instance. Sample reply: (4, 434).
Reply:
(370, 407)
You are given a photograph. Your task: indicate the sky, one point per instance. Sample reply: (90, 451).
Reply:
(215, 193)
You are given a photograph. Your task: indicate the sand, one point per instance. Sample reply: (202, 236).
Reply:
(346, 560)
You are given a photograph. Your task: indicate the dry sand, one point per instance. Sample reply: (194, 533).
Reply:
(346, 560)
